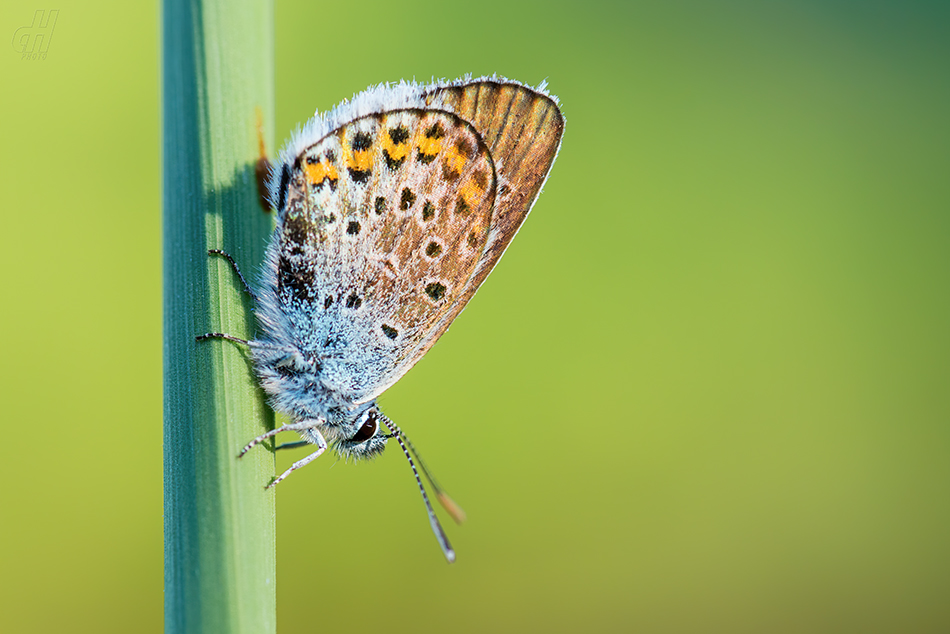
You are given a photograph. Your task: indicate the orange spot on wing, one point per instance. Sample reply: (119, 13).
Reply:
(316, 172)
(454, 160)
(430, 146)
(396, 151)
(360, 160)
(471, 192)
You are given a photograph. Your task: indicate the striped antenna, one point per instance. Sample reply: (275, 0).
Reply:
(447, 503)
(440, 535)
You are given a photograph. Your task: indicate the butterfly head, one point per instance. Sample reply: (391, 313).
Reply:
(362, 436)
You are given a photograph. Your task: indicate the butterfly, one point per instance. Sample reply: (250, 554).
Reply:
(392, 209)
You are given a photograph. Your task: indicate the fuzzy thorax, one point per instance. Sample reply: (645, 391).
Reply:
(292, 380)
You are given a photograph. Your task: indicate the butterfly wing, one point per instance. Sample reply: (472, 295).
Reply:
(522, 129)
(391, 221)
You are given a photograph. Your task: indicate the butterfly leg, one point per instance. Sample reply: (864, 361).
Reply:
(301, 426)
(221, 335)
(294, 445)
(234, 266)
(321, 447)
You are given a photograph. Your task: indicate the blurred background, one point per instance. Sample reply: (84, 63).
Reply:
(706, 390)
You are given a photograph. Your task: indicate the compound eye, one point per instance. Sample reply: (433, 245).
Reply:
(367, 431)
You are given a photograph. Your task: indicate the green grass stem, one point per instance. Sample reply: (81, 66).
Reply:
(217, 71)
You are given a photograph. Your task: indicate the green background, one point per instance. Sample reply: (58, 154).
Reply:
(706, 390)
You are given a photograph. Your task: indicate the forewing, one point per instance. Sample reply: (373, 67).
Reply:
(522, 129)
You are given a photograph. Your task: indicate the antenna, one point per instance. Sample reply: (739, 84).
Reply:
(447, 503)
(451, 507)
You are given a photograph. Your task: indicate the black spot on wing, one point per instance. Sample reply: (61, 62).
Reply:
(362, 141)
(435, 291)
(399, 135)
(359, 176)
(407, 199)
(433, 249)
